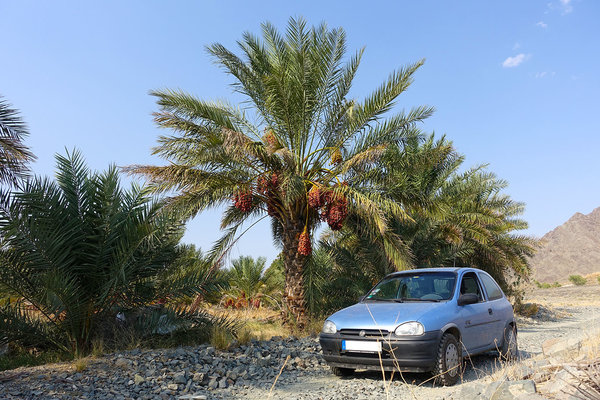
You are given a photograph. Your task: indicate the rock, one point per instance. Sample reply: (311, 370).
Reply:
(138, 379)
(560, 346)
(192, 397)
(223, 383)
(264, 361)
(472, 391)
(213, 383)
(559, 383)
(509, 390)
(173, 386)
(122, 362)
(180, 378)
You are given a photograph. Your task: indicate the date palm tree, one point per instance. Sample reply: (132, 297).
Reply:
(80, 250)
(298, 150)
(457, 218)
(14, 155)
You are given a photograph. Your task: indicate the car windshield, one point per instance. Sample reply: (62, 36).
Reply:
(428, 286)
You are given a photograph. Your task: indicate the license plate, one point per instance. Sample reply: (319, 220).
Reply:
(362, 345)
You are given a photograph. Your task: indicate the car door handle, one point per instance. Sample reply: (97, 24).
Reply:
(490, 311)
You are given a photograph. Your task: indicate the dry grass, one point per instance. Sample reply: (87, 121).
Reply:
(220, 339)
(264, 323)
(80, 365)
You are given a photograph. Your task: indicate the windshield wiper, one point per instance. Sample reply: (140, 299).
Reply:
(403, 299)
(378, 299)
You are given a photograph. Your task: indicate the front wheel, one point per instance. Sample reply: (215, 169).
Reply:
(510, 349)
(449, 360)
(338, 371)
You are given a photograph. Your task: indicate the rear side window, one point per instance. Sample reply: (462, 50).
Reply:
(492, 289)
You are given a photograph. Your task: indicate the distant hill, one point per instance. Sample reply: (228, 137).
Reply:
(571, 248)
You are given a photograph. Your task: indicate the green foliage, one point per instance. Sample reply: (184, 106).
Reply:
(14, 155)
(330, 286)
(80, 250)
(546, 285)
(453, 218)
(248, 278)
(577, 280)
(599, 279)
(191, 262)
(21, 357)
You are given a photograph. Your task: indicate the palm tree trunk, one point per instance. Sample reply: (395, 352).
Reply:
(293, 295)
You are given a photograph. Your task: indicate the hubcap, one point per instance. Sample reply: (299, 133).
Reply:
(452, 359)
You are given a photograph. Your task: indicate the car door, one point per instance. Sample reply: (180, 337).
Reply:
(477, 329)
(499, 305)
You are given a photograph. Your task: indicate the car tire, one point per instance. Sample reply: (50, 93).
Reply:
(510, 348)
(339, 371)
(448, 366)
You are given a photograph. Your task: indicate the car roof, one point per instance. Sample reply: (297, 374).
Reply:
(440, 269)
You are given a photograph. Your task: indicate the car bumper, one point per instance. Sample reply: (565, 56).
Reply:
(411, 354)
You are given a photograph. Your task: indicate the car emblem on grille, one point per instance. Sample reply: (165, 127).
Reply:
(362, 333)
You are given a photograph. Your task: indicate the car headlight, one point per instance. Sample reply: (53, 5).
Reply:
(329, 327)
(410, 328)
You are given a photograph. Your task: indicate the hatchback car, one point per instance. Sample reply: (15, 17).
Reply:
(422, 320)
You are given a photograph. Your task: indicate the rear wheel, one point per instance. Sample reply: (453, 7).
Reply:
(510, 349)
(338, 371)
(448, 365)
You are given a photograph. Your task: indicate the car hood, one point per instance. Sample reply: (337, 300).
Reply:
(371, 315)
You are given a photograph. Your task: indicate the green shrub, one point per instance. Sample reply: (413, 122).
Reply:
(598, 279)
(577, 280)
(545, 285)
(25, 358)
(92, 260)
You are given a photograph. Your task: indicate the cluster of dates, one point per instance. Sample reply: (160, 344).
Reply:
(265, 185)
(332, 208)
(241, 302)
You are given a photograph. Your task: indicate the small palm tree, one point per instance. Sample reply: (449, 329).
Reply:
(300, 151)
(14, 155)
(79, 251)
(249, 279)
(246, 275)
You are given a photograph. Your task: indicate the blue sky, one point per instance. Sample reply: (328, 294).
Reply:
(515, 83)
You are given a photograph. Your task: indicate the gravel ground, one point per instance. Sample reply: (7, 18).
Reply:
(249, 371)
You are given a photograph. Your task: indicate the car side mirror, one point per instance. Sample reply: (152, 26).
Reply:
(467, 298)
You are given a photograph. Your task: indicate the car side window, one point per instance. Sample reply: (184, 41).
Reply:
(491, 288)
(469, 284)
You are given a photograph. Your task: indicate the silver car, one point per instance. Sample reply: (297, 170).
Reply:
(422, 320)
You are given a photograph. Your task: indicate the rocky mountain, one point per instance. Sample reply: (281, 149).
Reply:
(571, 248)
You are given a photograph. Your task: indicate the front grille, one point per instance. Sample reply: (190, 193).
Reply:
(370, 333)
